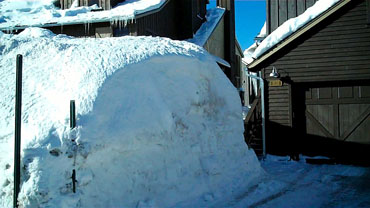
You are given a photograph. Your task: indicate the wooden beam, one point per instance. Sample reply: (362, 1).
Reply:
(318, 125)
(298, 33)
(356, 124)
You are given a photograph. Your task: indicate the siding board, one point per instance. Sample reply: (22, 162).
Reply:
(309, 3)
(301, 6)
(292, 8)
(283, 11)
(336, 51)
(274, 15)
(368, 11)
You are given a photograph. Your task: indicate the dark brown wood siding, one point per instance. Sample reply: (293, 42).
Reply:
(334, 54)
(337, 49)
(105, 4)
(368, 11)
(280, 11)
(179, 19)
(279, 103)
(162, 23)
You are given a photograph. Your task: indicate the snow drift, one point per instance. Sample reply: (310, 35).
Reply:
(158, 123)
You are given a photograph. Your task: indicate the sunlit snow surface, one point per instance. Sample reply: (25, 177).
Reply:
(290, 183)
(158, 123)
(18, 13)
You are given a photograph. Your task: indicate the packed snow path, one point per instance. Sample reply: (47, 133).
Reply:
(298, 184)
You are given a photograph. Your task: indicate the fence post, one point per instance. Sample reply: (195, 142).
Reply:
(72, 122)
(17, 136)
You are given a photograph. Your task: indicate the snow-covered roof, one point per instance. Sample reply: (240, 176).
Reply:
(291, 26)
(18, 14)
(248, 53)
(213, 17)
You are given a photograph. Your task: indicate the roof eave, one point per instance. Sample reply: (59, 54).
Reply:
(298, 33)
(22, 27)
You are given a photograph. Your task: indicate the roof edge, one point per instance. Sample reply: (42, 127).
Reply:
(298, 33)
(80, 22)
(213, 29)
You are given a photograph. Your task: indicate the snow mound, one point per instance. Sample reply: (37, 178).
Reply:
(158, 123)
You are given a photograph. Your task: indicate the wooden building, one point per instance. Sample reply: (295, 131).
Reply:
(320, 103)
(105, 4)
(175, 19)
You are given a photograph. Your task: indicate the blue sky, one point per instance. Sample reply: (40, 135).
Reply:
(250, 16)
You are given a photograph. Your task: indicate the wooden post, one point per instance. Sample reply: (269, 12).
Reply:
(17, 137)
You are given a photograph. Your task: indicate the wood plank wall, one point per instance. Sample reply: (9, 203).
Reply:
(280, 11)
(177, 20)
(105, 4)
(339, 51)
(161, 23)
(368, 11)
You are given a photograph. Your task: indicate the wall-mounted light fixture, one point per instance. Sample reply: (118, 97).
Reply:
(274, 73)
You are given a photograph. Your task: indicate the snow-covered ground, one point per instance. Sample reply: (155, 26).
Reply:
(299, 184)
(15, 14)
(158, 123)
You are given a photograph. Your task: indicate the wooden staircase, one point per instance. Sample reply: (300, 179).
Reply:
(253, 127)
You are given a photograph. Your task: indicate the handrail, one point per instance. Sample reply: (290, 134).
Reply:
(262, 89)
(253, 107)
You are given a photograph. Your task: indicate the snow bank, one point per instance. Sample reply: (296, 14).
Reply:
(213, 17)
(18, 13)
(292, 25)
(158, 123)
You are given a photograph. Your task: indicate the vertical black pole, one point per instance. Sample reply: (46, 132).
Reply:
(18, 120)
(72, 114)
(72, 122)
(74, 180)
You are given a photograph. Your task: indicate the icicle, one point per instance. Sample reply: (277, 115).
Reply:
(85, 24)
(88, 28)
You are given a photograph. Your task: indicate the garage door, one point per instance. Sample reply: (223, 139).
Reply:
(340, 112)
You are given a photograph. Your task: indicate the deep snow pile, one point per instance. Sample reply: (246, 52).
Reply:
(158, 123)
(18, 13)
(292, 25)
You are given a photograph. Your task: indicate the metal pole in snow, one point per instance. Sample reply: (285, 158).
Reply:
(72, 114)
(17, 137)
(72, 122)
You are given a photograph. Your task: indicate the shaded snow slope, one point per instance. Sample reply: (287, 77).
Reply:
(158, 123)
(18, 13)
